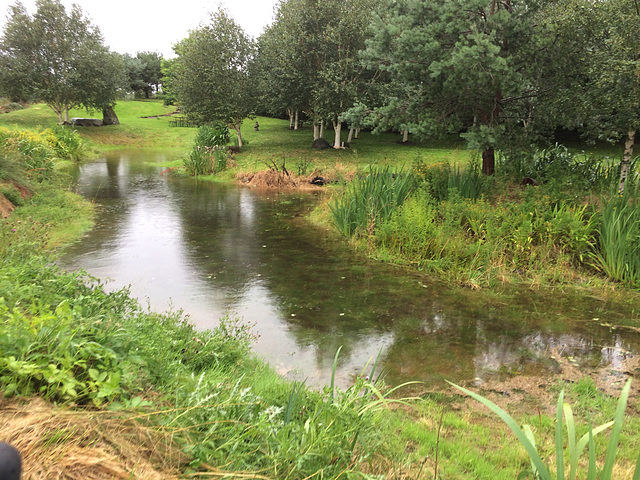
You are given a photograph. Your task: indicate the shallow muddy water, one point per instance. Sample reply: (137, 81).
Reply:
(214, 249)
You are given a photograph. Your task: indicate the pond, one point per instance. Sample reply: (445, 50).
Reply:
(215, 249)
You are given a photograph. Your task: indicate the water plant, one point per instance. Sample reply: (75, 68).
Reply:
(370, 199)
(575, 447)
(618, 253)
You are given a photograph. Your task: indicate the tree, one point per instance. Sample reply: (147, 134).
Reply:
(210, 74)
(461, 67)
(56, 57)
(278, 74)
(144, 72)
(602, 96)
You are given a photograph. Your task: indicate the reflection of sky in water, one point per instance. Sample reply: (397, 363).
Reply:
(215, 249)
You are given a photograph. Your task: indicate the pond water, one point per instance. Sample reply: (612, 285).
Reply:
(215, 249)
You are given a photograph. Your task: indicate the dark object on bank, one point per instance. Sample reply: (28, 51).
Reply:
(320, 181)
(86, 122)
(10, 462)
(256, 127)
(529, 181)
(320, 143)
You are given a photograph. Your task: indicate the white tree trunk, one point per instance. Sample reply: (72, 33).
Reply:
(315, 131)
(626, 159)
(297, 123)
(321, 129)
(337, 128)
(405, 136)
(290, 113)
(350, 136)
(357, 133)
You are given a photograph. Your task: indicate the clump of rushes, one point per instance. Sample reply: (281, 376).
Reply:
(370, 199)
(618, 253)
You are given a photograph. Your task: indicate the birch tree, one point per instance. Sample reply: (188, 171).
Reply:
(601, 97)
(210, 76)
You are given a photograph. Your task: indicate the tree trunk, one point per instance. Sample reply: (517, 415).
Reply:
(295, 125)
(337, 128)
(290, 113)
(488, 161)
(237, 129)
(315, 131)
(321, 129)
(626, 160)
(66, 116)
(350, 136)
(109, 116)
(405, 136)
(357, 133)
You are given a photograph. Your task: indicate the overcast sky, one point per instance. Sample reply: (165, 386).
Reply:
(131, 26)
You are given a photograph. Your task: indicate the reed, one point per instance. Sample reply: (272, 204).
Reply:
(369, 200)
(618, 253)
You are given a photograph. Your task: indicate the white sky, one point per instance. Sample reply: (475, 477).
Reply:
(130, 26)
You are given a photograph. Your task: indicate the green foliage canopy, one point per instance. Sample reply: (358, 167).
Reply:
(210, 76)
(57, 57)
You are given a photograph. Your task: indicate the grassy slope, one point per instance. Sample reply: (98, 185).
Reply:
(470, 445)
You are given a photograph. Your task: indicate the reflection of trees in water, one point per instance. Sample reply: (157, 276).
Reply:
(466, 339)
(220, 235)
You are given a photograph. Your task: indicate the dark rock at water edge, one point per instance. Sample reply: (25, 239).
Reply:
(320, 181)
(320, 143)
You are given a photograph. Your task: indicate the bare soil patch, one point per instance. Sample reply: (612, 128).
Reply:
(277, 180)
(6, 207)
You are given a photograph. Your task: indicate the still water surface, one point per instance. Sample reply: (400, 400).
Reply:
(214, 249)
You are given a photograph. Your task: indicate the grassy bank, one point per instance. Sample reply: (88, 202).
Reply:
(97, 386)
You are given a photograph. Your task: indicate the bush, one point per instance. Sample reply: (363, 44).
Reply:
(465, 238)
(208, 154)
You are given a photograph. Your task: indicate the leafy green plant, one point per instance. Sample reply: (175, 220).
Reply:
(67, 143)
(575, 447)
(208, 154)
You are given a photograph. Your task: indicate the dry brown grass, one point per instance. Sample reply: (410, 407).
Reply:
(61, 443)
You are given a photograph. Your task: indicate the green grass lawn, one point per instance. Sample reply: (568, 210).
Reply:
(273, 142)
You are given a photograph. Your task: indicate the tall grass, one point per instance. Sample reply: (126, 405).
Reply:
(442, 177)
(618, 253)
(370, 200)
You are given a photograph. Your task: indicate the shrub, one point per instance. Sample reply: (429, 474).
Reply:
(207, 155)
